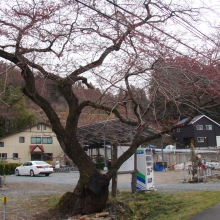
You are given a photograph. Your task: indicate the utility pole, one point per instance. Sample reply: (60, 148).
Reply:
(161, 142)
(114, 158)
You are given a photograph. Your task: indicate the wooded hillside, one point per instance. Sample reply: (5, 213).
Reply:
(14, 103)
(11, 95)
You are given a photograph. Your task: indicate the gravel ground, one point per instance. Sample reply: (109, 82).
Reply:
(174, 181)
(24, 192)
(62, 182)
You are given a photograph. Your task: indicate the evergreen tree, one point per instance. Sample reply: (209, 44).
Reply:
(14, 114)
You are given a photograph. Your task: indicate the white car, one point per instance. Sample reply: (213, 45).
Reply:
(33, 168)
(170, 147)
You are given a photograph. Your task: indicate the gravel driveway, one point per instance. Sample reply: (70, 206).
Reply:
(56, 182)
(62, 182)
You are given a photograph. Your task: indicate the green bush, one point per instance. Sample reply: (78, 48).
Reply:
(99, 165)
(8, 168)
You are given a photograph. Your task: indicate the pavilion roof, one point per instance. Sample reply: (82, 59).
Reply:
(105, 132)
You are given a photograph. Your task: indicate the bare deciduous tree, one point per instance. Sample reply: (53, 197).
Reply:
(114, 46)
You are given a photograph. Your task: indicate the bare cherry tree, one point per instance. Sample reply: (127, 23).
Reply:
(112, 46)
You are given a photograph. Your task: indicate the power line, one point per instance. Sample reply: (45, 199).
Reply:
(167, 34)
(187, 25)
(110, 17)
(105, 15)
(215, 12)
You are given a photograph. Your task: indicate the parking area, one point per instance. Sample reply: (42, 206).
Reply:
(69, 180)
(62, 182)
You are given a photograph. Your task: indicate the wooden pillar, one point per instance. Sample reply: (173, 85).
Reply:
(114, 158)
(134, 174)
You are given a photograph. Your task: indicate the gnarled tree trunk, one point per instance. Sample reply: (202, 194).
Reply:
(86, 198)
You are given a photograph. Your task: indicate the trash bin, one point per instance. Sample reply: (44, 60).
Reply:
(160, 166)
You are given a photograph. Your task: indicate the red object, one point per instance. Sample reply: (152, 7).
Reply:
(203, 166)
(36, 148)
(200, 164)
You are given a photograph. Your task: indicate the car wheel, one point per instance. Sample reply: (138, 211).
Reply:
(47, 174)
(17, 173)
(31, 173)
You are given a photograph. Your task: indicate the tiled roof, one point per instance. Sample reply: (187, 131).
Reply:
(108, 131)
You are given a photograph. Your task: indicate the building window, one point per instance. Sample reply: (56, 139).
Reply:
(199, 127)
(201, 139)
(15, 155)
(47, 140)
(38, 127)
(21, 139)
(3, 156)
(36, 140)
(178, 130)
(1, 144)
(45, 127)
(208, 127)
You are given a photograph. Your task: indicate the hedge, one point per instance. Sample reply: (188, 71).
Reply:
(8, 168)
(101, 165)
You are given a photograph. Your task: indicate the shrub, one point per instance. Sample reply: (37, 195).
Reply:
(8, 168)
(99, 165)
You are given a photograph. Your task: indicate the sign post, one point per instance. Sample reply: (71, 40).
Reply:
(4, 200)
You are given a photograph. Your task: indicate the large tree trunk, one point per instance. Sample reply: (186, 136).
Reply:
(86, 198)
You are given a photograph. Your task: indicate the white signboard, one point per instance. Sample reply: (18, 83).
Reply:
(129, 163)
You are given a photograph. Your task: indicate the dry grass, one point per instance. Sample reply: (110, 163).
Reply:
(128, 206)
(24, 205)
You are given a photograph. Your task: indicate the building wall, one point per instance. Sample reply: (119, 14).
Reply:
(181, 134)
(208, 135)
(12, 145)
(190, 133)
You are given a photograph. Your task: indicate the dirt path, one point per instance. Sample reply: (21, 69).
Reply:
(169, 176)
